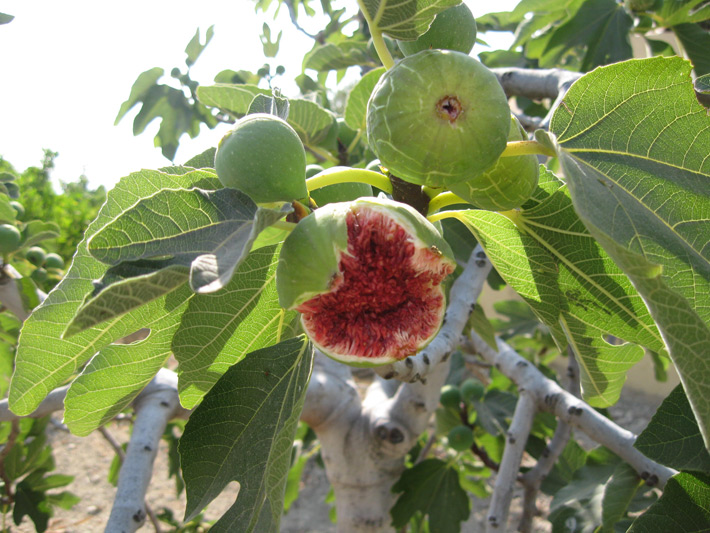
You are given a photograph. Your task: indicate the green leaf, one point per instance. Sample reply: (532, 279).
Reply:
(682, 11)
(602, 26)
(203, 160)
(683, 508)
(405, 20)
(219, 329)
(431, 487)
(243, 431)
(482, 326)
(356, 106)
(339, 56)
(44, 359)
(7, 212)
(673, 438)
(234, 99)
(494, 410)
(37, 231)
(271, 48)
(139, 91)
(618, 493)
(646, 201)
(211, 230)
(5, 18)
(272, 105)
(696, 43)
(125, 288)
(195, 48)
(702, 84)
(311, 121)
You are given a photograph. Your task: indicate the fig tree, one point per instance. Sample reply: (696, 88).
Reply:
(53, 261)
(10, 238)
(264, 158)
(452, 29)
(366, 277)
(438, 117)
(507, 184)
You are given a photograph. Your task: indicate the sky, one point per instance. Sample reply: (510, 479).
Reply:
(67, 67)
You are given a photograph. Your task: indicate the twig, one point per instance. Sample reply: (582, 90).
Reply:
(9, 444)
(464, 293)
(554, 399)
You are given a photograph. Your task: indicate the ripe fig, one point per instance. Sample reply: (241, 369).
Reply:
(366, 276)
(438, 117)
(35, 255)
(460, 438)
(507, 184)
(10, 238)
(264, 158)
(452, 29)
(53, 261)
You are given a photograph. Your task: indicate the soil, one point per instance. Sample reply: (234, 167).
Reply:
(89, 459)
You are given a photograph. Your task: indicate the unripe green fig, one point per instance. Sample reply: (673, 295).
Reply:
(450, 396)
(312, 170)
(10, 238)
(438, 117)
(53, 261)
(452, 29)
(19, 209)
(366, 277)
(507, 184)
(636, 6)
(471, 390)
(460, 438)
(340, 192)
(39, 275)
(35, 255)
(264, 158)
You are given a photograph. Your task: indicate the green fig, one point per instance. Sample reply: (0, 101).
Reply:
(471, 389)
(264, 158)
(452, 29)
(450, 396)
(507, 184)
(35, 255)
(366, 277)
(10, 238)
(460, 438)
(438, 117)
(54, 261)
(19, 209)
(312, 170)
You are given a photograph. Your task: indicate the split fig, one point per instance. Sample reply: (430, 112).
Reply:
(438, 117)
(452, 29)
(264, 158)
(507, 184)
(366, 277)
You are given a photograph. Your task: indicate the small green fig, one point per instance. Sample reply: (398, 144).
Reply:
(35, 255)
(312, 170)
(366, 277)
(450, 396)
(39, 275)
(264, 158)
(10, 238)
(438, 117)
(452, 29)
(19, 209)
(340, 192)
(54, 261)
(507, 184)
(471, 389)
(460, 438)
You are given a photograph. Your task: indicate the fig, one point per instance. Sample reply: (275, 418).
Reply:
(450, 396)
(35, 255)
(438, 117)
(460, 438)
(39, 275)
(264, 158)
(19, 209)
(54, 261)
(10, 238)
(507, 184)
(366, 277)
(452, 29)
(472, 389)
(312, 170)
(340, 192)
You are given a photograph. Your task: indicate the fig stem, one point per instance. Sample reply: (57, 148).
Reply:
(442, 200)
(335, 175)
(380, 45)
(354, 142)
(441, 215)
(527, 148)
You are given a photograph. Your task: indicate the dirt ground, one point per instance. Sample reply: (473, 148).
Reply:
(89, 458)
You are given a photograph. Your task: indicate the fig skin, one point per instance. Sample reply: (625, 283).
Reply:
(508, 184)
(310, 266)
(452, 29)
(264, 158)
(340, 192)
(10, 238)
(438, 117)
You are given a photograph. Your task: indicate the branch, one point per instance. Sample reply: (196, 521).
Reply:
(569, 409)
(463, 294)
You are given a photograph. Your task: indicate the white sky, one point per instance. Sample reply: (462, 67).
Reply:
(67, 66)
